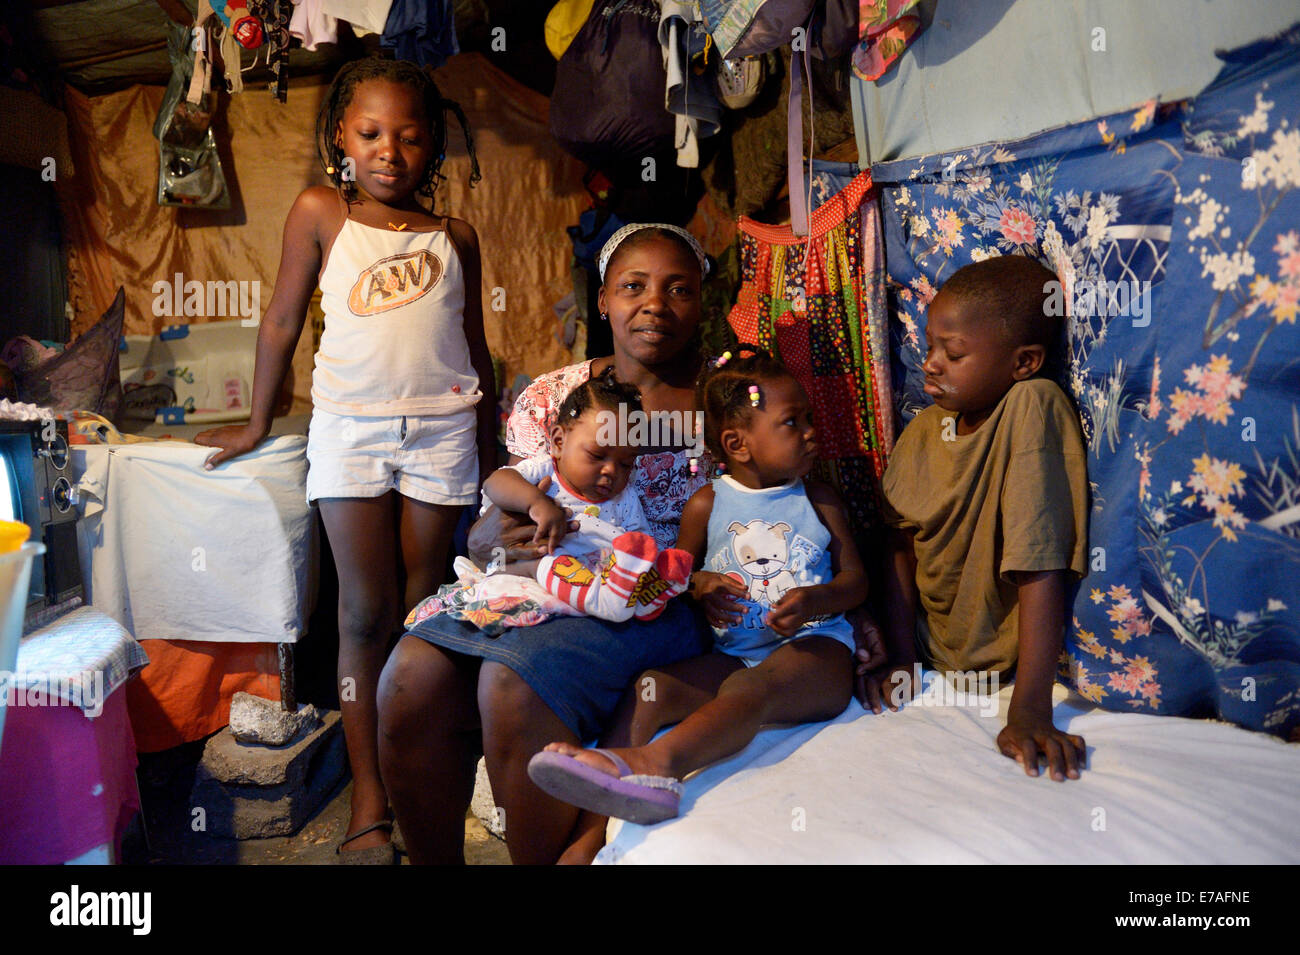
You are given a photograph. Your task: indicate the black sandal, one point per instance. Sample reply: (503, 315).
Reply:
(375, 855)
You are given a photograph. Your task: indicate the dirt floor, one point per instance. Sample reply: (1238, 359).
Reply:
(165, 782)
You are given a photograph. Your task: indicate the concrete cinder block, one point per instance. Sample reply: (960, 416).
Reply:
(253, 791)
(484, 806)
(254, 719)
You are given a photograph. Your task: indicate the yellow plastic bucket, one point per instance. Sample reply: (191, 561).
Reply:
(15, 575)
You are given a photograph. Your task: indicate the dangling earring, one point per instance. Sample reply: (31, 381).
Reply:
(604, 316)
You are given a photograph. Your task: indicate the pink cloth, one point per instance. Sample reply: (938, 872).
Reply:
(67, 783)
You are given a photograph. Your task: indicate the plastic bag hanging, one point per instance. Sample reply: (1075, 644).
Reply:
(189, 168)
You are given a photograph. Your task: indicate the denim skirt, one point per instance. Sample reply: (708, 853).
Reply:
(579, 666)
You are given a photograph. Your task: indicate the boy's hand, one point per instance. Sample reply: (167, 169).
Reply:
(792, 611)
(552, 524)
(720, 596)
(1026, 738)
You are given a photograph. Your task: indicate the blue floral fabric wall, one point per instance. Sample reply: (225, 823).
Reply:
(1175, 230)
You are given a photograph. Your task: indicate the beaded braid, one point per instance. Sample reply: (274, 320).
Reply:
(406, 73)
(723, 391)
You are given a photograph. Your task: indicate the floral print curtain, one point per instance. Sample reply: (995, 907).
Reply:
(1175, 230)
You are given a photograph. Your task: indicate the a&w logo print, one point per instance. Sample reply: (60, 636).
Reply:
(395, 281)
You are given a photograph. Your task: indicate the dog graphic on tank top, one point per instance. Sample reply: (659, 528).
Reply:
(763, 553)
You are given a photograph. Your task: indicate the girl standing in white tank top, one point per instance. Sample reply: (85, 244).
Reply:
(404, 427)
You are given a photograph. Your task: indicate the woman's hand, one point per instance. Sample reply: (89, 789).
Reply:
(502, 534)
(233, 440)
(720, 596)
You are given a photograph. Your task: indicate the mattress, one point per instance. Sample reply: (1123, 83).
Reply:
(926, 784)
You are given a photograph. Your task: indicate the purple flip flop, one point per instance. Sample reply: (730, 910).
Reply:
(640, 799)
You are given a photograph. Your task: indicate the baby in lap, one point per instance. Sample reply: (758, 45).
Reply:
(601, 559)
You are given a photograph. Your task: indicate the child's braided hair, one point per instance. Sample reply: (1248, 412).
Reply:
(604, 391)
(722, 391)
(406, 73)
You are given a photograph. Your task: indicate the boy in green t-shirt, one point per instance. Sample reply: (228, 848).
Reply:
(987, 497)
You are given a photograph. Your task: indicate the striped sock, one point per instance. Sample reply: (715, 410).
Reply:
(569, 579)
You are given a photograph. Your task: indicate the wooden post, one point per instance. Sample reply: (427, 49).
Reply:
(287, 701)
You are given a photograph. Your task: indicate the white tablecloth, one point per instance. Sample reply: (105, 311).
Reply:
(174, 552)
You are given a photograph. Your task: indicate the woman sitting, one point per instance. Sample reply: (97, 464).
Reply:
(449, 692)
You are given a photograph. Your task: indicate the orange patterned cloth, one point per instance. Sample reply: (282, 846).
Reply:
(817, 303)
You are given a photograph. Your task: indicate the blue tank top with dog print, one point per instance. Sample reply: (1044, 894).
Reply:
(772, 541)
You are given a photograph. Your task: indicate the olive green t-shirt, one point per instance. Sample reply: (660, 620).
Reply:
(1011, 496)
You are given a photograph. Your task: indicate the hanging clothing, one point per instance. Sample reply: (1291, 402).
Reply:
(563, 23)
(887, 28)
(751, 27)
(366, 16)
(277, 17)
(692, 99)
(818, 304)
(312, 25)
(422, 31)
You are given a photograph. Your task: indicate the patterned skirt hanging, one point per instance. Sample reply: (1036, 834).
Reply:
(817, 303)
(275, 16)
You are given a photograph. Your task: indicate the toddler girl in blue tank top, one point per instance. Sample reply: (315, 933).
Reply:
(776, 571)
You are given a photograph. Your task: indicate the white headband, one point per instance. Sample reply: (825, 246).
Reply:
(617, 238)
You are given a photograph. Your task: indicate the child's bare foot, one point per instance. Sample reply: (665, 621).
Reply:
(638, 760)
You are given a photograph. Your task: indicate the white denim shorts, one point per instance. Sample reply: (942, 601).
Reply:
(430, 458)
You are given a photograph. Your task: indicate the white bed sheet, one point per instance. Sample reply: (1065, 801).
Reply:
(927, 785)
(174, 552)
